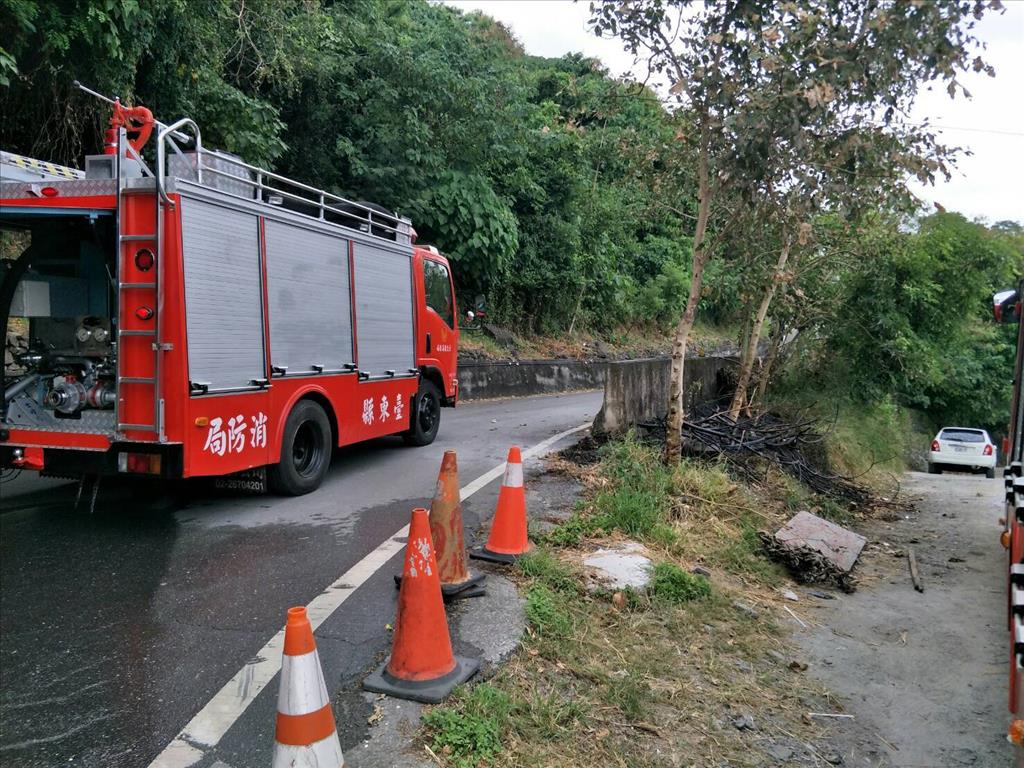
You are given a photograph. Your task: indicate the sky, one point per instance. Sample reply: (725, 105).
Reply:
(987, 184)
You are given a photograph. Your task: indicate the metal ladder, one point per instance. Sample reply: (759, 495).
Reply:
(125, 292)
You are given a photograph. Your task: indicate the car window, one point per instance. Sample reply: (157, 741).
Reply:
(438, 289)
(963, 435)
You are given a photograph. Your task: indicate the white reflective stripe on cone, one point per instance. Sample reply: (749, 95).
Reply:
(303, 689)
(325, 753)
(514, 476)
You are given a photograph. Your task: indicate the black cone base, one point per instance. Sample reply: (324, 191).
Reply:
(483, 553)
(426, 691)
(471, 587)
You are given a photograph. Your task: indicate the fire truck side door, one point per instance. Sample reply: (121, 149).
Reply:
(439, 336)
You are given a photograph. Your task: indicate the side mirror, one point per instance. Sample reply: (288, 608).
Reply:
(1006, 306)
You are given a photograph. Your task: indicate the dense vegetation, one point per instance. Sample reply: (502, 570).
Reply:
(553, 187)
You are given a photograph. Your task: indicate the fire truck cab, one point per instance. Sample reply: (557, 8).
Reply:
(207, 317)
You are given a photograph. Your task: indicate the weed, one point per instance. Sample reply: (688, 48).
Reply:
(742, 554)
(546, 569)
(671, 584)
(629, 696)
(569, 533)
(547, 613)
(468, 730)
(634, 511)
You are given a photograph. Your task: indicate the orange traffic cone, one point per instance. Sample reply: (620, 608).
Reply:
(447, 534)
(508, 538)
(306, 734)
(422, 666)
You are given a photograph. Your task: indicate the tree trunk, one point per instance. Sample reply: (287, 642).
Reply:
(579, 303)
(673, 438)
(739, 399)
(778, 332)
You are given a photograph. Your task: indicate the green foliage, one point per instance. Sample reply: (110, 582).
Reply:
(913, 320)
(543, 567)
(545, 610)
(671, 584)
(468, 730)
(477, 229)
(662, 299)
(568, 197)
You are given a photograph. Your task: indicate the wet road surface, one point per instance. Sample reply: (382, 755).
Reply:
(117, 627)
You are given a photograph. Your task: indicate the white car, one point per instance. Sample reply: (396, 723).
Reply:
(962, 448)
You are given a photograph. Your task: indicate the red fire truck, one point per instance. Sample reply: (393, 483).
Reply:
(1006, 307)
(206, 317)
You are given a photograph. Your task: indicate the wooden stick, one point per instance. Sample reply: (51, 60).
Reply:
(830, 714)
(915, 574)
(802, 622)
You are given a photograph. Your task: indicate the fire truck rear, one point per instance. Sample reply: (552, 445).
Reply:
(204, 317)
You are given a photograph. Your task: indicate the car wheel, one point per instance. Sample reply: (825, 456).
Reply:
(934, 469)
(305, 451)
(990, 473)
(426, 416)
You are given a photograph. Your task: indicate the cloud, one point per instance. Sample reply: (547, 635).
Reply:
(986, 184)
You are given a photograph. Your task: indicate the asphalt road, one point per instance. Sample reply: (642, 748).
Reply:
(116, 628)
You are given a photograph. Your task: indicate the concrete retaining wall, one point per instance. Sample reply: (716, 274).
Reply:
(637, 390)
(478, 381)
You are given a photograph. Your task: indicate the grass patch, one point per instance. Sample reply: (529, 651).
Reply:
(671, 584)
(547, 614)
(467, 731)
(694, 511)
(871, 441)
(650, 680)
(546, 569)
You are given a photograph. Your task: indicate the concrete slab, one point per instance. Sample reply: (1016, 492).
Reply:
(492, 623)
(393, 724)
(622, 566)
(835, 543)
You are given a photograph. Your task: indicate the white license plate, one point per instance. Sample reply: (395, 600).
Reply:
(960, 449)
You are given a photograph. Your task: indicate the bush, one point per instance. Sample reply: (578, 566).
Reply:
(671, 584)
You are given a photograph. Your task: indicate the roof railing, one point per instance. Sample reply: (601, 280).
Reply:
(266, 185)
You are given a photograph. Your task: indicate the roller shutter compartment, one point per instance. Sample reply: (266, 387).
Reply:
(308, 297)
(223, 296)
(384, 321)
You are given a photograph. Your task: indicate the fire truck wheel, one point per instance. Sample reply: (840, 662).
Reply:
(305, 451)
(426, 417)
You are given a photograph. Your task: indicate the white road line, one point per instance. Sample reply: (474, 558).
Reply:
(206, 729)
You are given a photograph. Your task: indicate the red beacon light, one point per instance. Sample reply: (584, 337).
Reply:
(144, 259)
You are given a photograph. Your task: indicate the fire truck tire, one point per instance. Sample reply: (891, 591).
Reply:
(426, 418)
(305, 451)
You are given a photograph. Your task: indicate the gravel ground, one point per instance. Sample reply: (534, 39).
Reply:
(923, 674)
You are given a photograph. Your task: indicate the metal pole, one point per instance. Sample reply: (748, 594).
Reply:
(176, 134)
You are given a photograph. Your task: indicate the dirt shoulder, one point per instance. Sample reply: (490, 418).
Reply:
(924, 675)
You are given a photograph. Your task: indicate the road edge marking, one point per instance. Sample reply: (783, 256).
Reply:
(207, 728)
